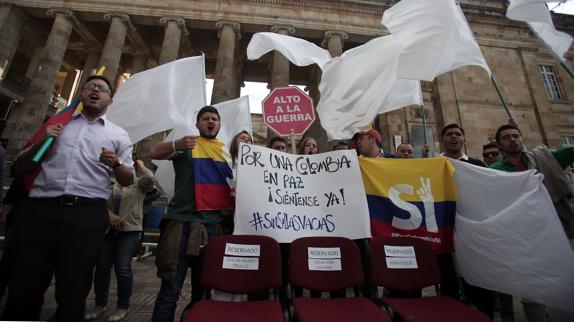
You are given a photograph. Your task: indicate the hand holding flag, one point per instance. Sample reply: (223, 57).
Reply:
(64, 116)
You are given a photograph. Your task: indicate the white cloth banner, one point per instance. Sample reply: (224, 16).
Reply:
(436, 38)
(160, 98)
(537, 15)
(354, 92)
(299, 51)
(235, 117)
(288, 196)
(508, 237)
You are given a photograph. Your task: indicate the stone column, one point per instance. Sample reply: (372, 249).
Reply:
(112, 51)
(140, 62)
(172, 38)
(280, 64)
(334, 40)
(174, 27)
(542, 108)
(223, 84)
(34, 61)
(445, 104)
(31, 114)
(279, 69)
(90, 66)
(68, 86)
(10, 33)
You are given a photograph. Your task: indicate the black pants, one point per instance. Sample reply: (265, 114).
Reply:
(50, 238)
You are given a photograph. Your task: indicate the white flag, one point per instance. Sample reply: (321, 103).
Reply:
(508, 237)
(235, 117)
(536, 14)
(160, 98)
(436, 38)
(354, 92)
(299, 51)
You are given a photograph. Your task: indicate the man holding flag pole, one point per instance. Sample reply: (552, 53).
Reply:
(61, 228)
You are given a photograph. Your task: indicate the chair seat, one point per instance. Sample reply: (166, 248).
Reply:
(351, 309)
(220, 311)
(435, 309)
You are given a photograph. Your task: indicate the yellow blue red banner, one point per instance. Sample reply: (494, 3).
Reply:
(211, 173)
(415, 197)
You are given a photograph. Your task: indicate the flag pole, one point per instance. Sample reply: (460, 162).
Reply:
(293, 150)
(500, 96)
(46, 145)
(423, 113)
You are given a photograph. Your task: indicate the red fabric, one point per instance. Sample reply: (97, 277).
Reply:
(63, 117)
(425, 275)
(327, 281)
(213, 275)
(352, 309)
(435, 309)
(219, 311)
(213, 197)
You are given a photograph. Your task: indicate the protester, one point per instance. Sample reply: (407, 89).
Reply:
(490, 153)
(125, 209)
(184, 229)
(369, 144)
(308, 146)
(341, 145)
(241, 137)
(278, 143)
(453, 140)
(15, 198)
(552, 165)
(61, 228)
(405, 151)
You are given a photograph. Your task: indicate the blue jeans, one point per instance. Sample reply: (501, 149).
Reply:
(118, 250)
(166, 300)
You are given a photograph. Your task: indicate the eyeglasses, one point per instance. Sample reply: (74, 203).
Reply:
(490, 154)
(102, 88)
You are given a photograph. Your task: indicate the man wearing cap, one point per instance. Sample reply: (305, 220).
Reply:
(369, 143)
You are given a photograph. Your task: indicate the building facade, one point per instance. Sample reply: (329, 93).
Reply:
(50, 46)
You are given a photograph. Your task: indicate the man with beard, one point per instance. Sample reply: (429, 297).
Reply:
(184, 229)
(60, 229)
(453, 140)
(552, 165)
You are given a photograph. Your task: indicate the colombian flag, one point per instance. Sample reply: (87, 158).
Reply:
(63, 117)
(212, 171)
(411, 197)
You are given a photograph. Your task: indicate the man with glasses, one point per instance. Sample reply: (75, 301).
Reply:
(61, 228)
(490, 153)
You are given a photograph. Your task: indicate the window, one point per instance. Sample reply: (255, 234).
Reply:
(418, 139)
(550, 82)
(567, 140)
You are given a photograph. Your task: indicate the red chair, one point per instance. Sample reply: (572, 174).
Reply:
(304, 275)
(428, 309)
(265, 277)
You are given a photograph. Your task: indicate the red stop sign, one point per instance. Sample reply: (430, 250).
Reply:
(286, 109)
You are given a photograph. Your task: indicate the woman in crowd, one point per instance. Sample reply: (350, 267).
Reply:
(308, 146)
(241, 137)
(125, 209)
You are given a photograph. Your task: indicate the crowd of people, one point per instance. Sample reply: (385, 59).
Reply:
(83, 212)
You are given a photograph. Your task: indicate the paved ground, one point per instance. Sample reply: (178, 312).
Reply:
(146, 285)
